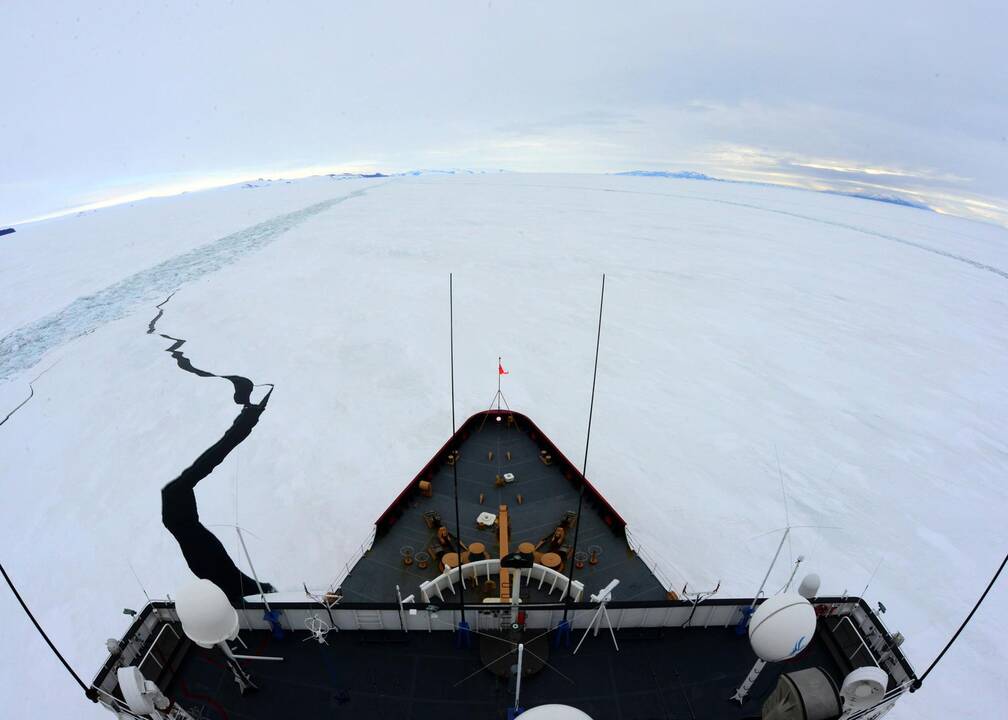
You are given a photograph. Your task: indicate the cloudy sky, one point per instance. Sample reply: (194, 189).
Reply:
(106, 101)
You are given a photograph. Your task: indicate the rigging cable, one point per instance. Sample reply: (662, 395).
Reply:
(458, 525)
(584, 467)
(89, 692)
(920, 681)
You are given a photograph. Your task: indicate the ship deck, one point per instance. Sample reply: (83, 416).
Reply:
(548, 492)
(685, 674)
(663, 669)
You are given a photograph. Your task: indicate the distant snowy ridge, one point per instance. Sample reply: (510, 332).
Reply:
(448, 171)
(263, 182)
(681, 175)
(693, 175)
(891, 199)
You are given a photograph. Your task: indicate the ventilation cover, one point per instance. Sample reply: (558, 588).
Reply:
(808, 694)
(864, 687)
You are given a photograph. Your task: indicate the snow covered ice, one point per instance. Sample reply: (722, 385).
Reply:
(863, 343)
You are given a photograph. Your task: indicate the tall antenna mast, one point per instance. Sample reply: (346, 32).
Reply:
(137, 578)
(584, 466)
(463, 628)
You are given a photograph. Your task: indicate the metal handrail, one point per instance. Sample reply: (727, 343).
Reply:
(656, 567)
(344, 572)
(890, 696)
(864, 643)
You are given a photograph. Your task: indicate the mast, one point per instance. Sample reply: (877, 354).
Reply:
(584, 466)
(463, 627)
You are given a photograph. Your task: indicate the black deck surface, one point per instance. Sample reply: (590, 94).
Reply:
(547, 495)
(682, 674)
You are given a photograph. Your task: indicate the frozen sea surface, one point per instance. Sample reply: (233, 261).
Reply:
(23, 347)
(863, 343)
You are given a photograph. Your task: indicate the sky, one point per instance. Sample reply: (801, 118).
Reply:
(108, 102)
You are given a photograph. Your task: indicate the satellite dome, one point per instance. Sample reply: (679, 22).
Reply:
(809, 587)
(554, 712)
(863, 687)
(135, 689)
(781, 627)
(206, 614)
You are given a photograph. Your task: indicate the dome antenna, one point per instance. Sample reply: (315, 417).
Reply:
(781, 628)
(209, 620)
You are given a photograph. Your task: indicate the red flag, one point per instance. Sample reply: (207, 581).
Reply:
(500, 369)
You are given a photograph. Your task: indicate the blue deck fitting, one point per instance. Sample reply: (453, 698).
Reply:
(462, 636)
(563, 635)
(273, 618)
(743, 624)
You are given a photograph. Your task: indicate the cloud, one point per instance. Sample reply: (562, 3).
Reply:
(145, 190)
(811, 96)
(835, 166)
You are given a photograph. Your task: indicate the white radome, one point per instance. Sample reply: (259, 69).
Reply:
(133, 686)
(864, 686)
(781, 627)
(206, 614)
(809, 587)
(554, 712)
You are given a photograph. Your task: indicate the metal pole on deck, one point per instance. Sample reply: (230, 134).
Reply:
(273, 618)
(248, 558)
(743, 623)
(402, 611)
(743, 689)
(564, 625)
(770, 569)
(463, 626)
(521, 652)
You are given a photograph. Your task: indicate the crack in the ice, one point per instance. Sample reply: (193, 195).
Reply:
(202, 550)
(242, 385)
(31, 393)
(160, 311)
(23, 347)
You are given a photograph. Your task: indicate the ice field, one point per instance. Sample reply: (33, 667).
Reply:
(865, 345)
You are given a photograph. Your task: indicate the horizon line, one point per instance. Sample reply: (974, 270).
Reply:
(916, 200)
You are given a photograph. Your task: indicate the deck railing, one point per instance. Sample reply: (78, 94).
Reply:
(538, 616)
(657, 568)
(446, 580)
(343, 572)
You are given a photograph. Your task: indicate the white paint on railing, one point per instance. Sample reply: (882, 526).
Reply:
(490, 566)
(657, 568)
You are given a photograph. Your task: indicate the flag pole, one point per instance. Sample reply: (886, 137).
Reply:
(584, 467)
(462, 639)
(499, 366)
